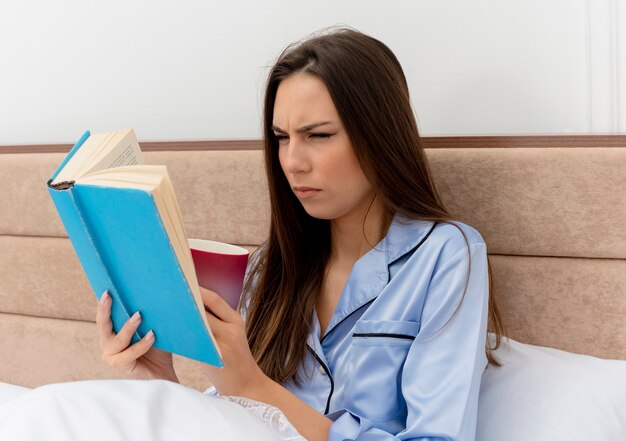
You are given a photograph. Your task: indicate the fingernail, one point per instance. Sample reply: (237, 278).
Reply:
(136, 318)
(104, 297)
(150, 335)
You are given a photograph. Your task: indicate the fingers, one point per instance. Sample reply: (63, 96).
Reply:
(123, 338)
(136, 360)
(214, 323)
(217, 306)
(126, 360)
(103, 319)
(112, 344)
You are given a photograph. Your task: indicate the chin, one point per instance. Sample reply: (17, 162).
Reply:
(319, 214)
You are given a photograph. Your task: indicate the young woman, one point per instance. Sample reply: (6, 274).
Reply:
(366, 310)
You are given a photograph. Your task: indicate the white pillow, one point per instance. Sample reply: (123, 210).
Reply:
(546, 394)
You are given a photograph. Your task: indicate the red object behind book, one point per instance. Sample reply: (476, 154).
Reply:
(220, 267)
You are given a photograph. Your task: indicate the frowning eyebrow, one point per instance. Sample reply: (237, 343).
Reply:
(303, 128)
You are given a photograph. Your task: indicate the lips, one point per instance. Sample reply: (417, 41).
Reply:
(305, 192)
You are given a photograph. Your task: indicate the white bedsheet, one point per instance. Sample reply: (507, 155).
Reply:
(539, 393)
(10, 391)
(114, 410)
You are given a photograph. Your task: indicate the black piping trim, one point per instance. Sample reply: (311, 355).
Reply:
(319, 360)
(345, 318)
(332, 382)
(370, 301)
(412, 250)
(427, 235)
(403, 336)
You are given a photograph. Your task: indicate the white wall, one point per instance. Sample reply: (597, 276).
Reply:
(195, 70)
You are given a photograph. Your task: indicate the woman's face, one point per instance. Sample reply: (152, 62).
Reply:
(315, 152)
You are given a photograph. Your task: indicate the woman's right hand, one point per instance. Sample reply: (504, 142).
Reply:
(139, 360)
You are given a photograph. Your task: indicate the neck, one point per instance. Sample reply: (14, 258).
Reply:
(353, 236)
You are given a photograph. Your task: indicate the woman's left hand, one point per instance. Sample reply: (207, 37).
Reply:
(241, 374)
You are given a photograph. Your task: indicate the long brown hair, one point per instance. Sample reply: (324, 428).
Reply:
(371, 95)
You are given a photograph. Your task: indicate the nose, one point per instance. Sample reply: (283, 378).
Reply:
(293, 157)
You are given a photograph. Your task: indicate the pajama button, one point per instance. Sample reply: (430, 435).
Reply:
(322, 371)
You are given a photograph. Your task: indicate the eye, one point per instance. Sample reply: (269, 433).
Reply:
(281, 138)
(321, 135)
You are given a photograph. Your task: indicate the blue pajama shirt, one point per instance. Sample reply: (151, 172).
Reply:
(403, 354)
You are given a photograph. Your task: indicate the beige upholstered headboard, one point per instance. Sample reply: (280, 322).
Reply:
(552, 211)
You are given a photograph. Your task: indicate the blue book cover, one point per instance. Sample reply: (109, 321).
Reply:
(123, 247)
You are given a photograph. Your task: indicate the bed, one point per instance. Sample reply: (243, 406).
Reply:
(552, 210)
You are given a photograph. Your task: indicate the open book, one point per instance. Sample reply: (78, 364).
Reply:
(125, 224)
